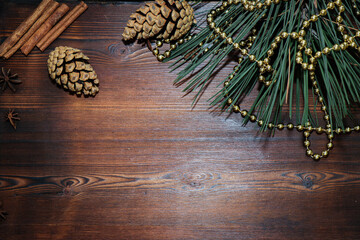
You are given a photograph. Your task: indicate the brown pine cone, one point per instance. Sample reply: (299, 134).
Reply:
(70, 68)
(162, 19)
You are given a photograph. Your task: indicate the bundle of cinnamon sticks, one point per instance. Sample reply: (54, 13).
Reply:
(41, 28)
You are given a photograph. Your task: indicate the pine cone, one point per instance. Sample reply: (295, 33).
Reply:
(162, 19)
(70, 69)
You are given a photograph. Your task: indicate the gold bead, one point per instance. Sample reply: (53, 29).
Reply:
(330, 145)
(341, 28)
(229, 40)
(267, 83)
(307, 143)
(318, 54)
(244, 52)
(339, 19)
(338, 2)
(244, 113)
(226, 83)
(252, 58)
(300, 128)
(338, 130)
(317, 157)
(236, 46)
(284, 35)
(319, 130)
(290, 126)
(294, 35)
(280, 126)
(269, 68)
(156, 51)
(160, 57)
(252, 118)
(327, 117)
(304, 66)
(314, 18)
(167, 53)
(336, 47)
(330, 5)
(306, 134)
(270, 52)
(326, 50)
(357, 128)
(309, 152)
(344, 46)
(311, 67)
(260, 122)
(159, 43)
(261, 78)
(306, 24)
(302, 33)
(348, 130)
(212, 25)
(308, 51)
(323, 12)
(229, 101)
(328, 130)
(325, 153)
(330, 136)
(181, 41)
(173, 46)
(236, 109)
(270, 125)
(299, 60)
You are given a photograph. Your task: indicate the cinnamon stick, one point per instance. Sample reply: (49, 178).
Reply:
(44, 29)
(48, 11)
(24, 26)
(61, 26)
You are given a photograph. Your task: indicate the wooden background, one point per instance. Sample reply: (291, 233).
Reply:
(137, 162)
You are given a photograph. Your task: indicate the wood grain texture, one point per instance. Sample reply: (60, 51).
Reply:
(137, 162)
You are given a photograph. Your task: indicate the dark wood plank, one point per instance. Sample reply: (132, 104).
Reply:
(138, 162)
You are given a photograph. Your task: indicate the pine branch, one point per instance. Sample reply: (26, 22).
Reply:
(337, 73)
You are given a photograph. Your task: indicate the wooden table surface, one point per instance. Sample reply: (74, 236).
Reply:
(137, 162)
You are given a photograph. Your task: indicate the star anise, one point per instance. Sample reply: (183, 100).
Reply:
(2, 212)
(12, 116)
(6, 79)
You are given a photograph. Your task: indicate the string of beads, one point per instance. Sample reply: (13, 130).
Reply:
(266, 68)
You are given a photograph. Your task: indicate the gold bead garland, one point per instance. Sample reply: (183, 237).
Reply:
(265, 67)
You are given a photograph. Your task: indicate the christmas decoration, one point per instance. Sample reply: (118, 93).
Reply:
(162, 19)
(70, 69)
(302, 57)
(12, 117)
(7, 79)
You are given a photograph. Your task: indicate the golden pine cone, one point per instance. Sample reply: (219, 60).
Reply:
(70, 69)
(162, 19)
